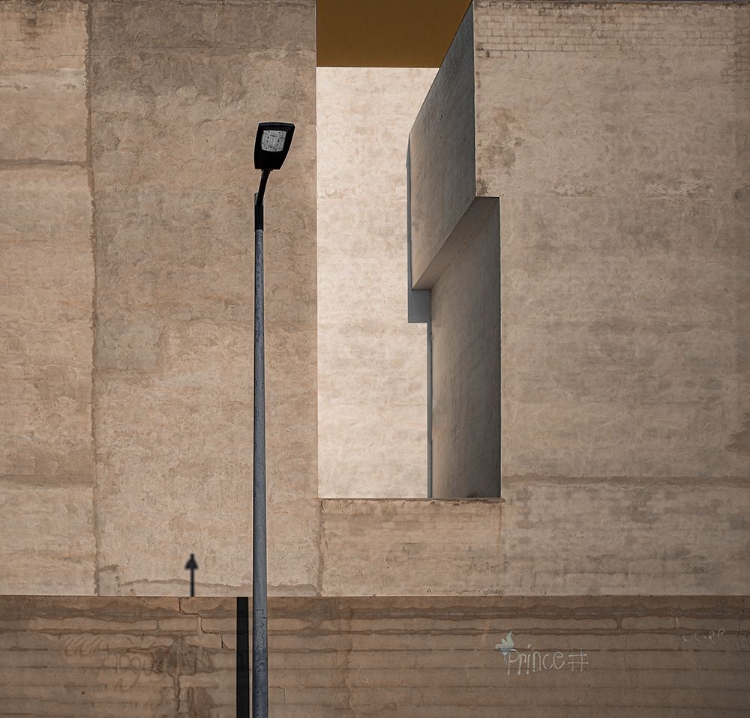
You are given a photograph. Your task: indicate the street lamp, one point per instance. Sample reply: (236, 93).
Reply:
(271, 147)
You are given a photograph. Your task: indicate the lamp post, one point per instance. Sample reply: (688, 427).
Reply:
(271, 147)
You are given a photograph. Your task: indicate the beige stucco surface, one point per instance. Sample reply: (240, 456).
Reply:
(177, 92)
(625, 311)
(625, 247)
(465, 324)
(46, 291)
(624, 268)
(372, 364)
(546, 536)
(42, 61)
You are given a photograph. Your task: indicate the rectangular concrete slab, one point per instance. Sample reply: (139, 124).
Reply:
(372, 369)
(442, 156)
(177, 92)
(624, 229)
(43, 81)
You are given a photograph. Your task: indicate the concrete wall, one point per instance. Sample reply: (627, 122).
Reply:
(399, 657)
(466, 368)
(625, 267)
(591, 504)
(442, 160)
(623, 196)
(149, 111)
(624, 234)
(177, 91)
(455, 253)
(372, 365)
(46, 291)
(546, 536)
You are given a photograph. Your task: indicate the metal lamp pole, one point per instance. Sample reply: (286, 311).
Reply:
(260, 593)
(271, 147)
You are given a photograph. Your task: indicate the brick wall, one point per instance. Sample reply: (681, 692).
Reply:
(407, 657)
(522, 27)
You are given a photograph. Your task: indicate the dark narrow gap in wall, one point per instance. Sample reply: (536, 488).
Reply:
(243, 658)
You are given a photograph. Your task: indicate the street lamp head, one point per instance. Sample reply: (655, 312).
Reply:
(272, 144)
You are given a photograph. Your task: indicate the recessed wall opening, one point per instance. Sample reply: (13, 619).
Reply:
(372, 363)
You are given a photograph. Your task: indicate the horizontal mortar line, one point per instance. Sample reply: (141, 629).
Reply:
(243, 3)
(203, 49)
(36, 162)
(54, 482)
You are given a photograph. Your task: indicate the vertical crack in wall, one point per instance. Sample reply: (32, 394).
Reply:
(90, 168)
(346, 664)
(322, 546)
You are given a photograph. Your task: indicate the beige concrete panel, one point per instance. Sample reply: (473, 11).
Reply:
(116, 658)
(611, 536)
(44, 204)
(364, 118)
(648, 307)
(466, 369)
(48, 542)
(624, 247)
(371, 361)
(255, 25)
(741, 74)
(379, 433)
(42, 81)
(557, 537)
(46, 290)
(629, 103)
(376, 360)
(177, 94)
(391, 547)
(442, 141)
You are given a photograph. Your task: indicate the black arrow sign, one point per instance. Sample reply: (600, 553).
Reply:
(191, 565)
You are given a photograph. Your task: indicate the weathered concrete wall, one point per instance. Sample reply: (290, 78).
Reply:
(466, 368)
(372, 372)
(388, 656)
(591, 503)
(442, 159)
(46, 291)
(117, 657)
(624, 234)
(177, 91)
(623, 195)
(412, 548)
(546, 536)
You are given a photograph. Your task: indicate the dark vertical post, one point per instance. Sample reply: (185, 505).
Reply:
(260, 608)
(242, 659)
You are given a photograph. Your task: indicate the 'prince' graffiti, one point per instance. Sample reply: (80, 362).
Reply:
(527, 661)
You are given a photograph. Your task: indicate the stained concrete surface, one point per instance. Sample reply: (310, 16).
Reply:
(608, 498)
(177, 92)
(442, 157)
(465, 326)
(46, 291)
(372, 366)
(412, 656)
(547, 536)
(624, 234)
